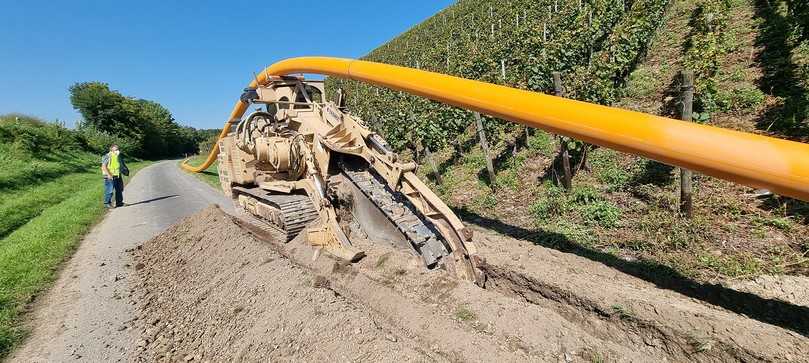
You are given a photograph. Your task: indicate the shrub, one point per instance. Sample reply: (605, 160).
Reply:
(585, 194)
(707, 46)
(746, 98)
(99, 141)
(602, 213)
(542, 142)
(30, 136)
(553, 203)
(476, 39)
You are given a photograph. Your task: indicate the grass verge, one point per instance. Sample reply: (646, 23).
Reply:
(48, 222)
(210, 176)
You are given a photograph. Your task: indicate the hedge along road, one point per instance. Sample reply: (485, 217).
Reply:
(88, 312)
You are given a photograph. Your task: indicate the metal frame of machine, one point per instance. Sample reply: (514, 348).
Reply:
(295, 162)
(781, 166)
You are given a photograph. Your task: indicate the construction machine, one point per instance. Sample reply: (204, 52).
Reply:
(305, 166)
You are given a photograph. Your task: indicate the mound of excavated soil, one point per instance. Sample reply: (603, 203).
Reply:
(215, 293)
(212, 291)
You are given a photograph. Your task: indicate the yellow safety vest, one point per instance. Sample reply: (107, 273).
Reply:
(114, 166)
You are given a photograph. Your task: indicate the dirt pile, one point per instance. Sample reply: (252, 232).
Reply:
(696, 321)
(211, 291)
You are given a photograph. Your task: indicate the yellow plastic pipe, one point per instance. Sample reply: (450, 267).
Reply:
(758, 161)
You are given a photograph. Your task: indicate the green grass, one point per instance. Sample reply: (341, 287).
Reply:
(210, 176)
(623, 312)
(41, 225)
(464, 314)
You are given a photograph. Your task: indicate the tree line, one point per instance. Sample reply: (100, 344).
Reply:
(142, 128)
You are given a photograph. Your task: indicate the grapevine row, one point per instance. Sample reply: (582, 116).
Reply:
(516, 43)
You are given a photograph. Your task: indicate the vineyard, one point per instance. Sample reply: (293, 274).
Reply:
(594, 44)
(613, 52)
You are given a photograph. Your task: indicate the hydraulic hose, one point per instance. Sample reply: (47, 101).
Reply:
(781, 166)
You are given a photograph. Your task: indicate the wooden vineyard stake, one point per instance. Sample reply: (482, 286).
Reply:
(431, 161)
(686, 202)
(485, 145)
(564, 153)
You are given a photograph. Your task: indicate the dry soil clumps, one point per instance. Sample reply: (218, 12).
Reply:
(213, 288)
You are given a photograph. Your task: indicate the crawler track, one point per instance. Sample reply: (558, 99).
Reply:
(423, 239)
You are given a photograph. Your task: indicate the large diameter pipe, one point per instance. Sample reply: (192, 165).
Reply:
(781, 166)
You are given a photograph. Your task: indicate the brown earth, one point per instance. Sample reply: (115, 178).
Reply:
(212, 288)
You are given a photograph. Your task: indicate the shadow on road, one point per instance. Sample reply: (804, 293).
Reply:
(153, 200)
(770, 311)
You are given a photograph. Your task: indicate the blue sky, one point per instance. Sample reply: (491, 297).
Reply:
(194, 57)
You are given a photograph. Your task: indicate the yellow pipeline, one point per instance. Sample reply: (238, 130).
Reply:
(758, 161)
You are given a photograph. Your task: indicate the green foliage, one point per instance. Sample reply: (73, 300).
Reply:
(210, 176)
(140, 127)
(608, 171)
(552, 203)
(574, 232)
(541, 142)
(602, 80)
(208, 139)
(486, 201)
(508, 179)
(707, 47)
(585, 194)
(665, 231)
(463, 313)
(476, 39)
(602, 213)
(29, 137)
(40, 225)
(623, 312)
(99, 141)
(731, 266)
(643, 83)
(785, 61)
(739, 99)
(782, 223)
(510, 176)
(475, 159)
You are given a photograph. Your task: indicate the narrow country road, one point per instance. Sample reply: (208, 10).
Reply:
(87, 313)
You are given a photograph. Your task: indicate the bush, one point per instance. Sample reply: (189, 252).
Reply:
(740, 99)
(585, 194)
(99, 142)
(553, 203)
(541, 142)
(29, 136)
(602, 213)
(207, 144)
(707, 45)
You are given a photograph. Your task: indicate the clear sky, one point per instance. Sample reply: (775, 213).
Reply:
(194, 57)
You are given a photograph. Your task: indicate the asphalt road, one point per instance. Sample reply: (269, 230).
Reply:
(87, 314)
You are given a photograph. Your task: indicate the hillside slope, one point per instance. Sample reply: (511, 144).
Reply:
(620, 206)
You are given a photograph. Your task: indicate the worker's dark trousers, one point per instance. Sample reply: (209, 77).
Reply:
(114, 185)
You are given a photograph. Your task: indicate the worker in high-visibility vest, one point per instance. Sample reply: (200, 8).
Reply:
(113, 168)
